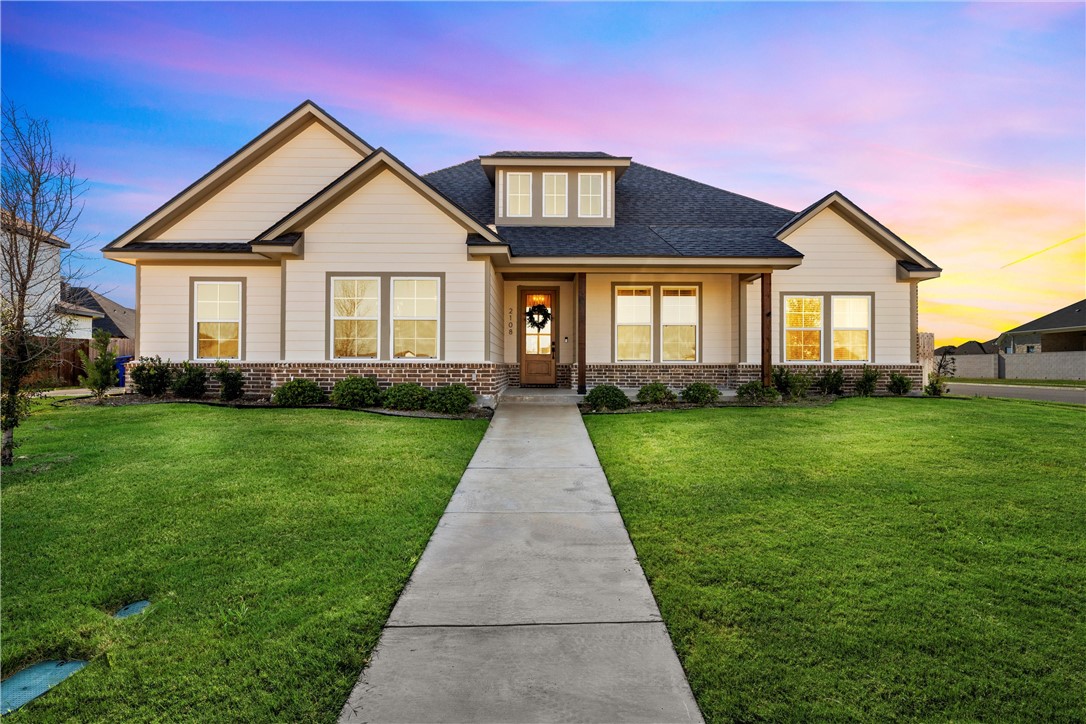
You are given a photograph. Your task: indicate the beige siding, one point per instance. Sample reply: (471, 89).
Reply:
(839, 258)
(268, 191)
(386, 226)
(164, 308)
(497, 315)
(78, 327)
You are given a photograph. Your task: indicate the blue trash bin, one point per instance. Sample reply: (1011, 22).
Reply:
(119, 364)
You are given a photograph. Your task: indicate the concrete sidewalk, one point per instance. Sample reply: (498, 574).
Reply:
(528, 604)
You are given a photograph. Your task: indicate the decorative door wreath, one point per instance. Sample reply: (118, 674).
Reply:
(538, 316)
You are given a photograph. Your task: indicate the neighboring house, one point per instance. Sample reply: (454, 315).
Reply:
(117, 319)
(311, 253)
(968, 348)
(1061, 331)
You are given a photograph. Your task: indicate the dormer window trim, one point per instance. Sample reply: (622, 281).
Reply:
(547, 195)
(581, 195)
(509, 176)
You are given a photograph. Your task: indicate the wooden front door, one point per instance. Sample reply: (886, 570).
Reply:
(538, 347)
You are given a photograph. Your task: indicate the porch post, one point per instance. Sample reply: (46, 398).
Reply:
(767, 331)
(581, 316)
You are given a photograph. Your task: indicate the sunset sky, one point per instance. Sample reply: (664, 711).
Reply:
(959, 126)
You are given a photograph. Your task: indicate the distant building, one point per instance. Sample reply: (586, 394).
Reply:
(117, 319)
(967, 348)
(1061, 331)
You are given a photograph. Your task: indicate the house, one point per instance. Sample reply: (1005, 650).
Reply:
(117, 319)
(1061, 331)
(968, 348)
(311, 253)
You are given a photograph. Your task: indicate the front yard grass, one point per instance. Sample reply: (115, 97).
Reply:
(871, 560)
(271, 543)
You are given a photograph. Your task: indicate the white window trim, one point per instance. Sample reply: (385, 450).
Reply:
(196, 318)
(651, 324)
(835, 328)
(509, 177)
(565, 196)
(821, 329)
(697, 326)
(332, 321)
(392, 320)
(580, 194)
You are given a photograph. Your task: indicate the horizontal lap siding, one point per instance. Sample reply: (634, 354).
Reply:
(838, 258)
(385, 226)
(497, 315)
(164, 308)
(268, 191)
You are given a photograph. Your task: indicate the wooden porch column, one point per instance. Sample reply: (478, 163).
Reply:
(582, 293)
(767, 329)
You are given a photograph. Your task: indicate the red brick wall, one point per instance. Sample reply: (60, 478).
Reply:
(748, 372)
(673, 375)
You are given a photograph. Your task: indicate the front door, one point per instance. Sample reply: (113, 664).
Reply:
(538, 345)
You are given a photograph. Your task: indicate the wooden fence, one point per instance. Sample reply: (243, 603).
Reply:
(66, 367)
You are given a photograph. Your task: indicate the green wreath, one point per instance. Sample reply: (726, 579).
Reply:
(538, 316)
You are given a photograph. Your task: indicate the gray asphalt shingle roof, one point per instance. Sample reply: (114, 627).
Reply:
(1073, 315)
(552, 154)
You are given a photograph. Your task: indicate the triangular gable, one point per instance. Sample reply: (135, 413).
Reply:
(378, 161)
(865, 223)
(279, 133)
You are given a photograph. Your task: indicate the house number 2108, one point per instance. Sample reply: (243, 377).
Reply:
(512, 325)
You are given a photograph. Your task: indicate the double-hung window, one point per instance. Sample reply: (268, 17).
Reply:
(217, 320)
(518, 194)
(679, 324)
(416, 320)
(851, 317)
(633, 324)
(555, 198)
(590, 195)
(803, 329)
(356, 305)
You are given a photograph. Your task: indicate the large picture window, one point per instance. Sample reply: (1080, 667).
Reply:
(851, 317)
(633, 324)
(217, 320)
(803, 329)
(518, 194)
(415, 318)
(679, 324)
(555, 198)
(356, 306)
(590, 194)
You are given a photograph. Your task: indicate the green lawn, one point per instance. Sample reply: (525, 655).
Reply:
(272, 544)
(1028, 383)
(880, 559)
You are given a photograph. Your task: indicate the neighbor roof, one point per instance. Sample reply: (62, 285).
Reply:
(117, 319)
(555, 154)
(1070, 318)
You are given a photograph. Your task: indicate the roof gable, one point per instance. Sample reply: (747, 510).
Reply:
(274, 137)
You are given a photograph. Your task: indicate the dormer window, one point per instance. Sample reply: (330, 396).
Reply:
(519, 194)
(590, 191)
(555, 196)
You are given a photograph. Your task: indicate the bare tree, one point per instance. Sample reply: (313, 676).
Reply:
(40, 204)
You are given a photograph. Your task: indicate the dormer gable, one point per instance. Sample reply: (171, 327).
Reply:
(554, 188)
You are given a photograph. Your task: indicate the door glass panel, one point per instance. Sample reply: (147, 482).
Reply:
(538, 341)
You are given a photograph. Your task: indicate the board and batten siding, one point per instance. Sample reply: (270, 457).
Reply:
(164, 299)
(838, 258)
(385, 226)
(269, 191)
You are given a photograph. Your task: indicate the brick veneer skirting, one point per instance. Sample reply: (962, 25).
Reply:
(747, 372)
(674, 375)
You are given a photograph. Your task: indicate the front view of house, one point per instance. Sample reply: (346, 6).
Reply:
(309, 253)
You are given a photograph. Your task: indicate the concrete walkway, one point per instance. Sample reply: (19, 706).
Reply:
(528, 604)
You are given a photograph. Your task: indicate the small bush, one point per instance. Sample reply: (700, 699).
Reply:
(792, 385)
(101, 371)
(190, 381)
(607, 397)
(152, 376)
(869, 378)
(936, 386)
(454, 399)
(407, 396)
(700, 393)
(298, 393)
(655, 393)
(355, 393)
(755, 393)
(231, 381)
(831, 382)
(899, 384)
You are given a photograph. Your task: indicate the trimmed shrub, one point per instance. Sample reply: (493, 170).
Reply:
(755, 393)
(298, 393)
(152, 376)
(407, 396)
(231, 381)
(700, 393)
(936, 387)
(454, 399)
(869, 379)
(354, 393)
(101, 371)
(655, 393)
(831, 382)
(792, 385)
(607, 397)
(190, 381)
(899, 384)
